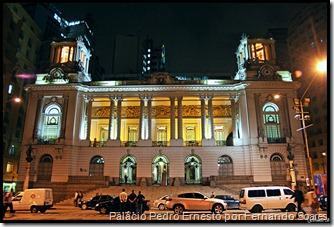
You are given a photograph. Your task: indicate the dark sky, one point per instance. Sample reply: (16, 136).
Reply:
(199, 37)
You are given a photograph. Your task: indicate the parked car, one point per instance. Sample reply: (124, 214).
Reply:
(195, 201)
(114, 206)
(231, 202)
(160, 203)
(257, 199)
(34, 199)
(323, 202)
(90, 204)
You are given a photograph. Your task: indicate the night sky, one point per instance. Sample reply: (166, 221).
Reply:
(199, 37)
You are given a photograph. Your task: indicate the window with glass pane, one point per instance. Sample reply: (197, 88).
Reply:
(52, 122)
(64, 54)
(132, 133)
(162, 133)
(271, 121)
(190, 133)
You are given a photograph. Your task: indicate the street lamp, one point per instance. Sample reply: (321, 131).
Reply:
(299, 104)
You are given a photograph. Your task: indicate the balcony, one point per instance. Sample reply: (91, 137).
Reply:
(97, 143)
(276, 140)
(220, 143)
(129, 143)
(193, 143)
(159, 143)
(47, 140)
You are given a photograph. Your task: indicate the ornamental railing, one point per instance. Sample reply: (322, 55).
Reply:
(220, 143)
(159, 143)
(276, 140)
(193, 143)
(97, 143)
(129, 143)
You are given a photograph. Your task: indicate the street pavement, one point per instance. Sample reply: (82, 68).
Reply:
(70, 213)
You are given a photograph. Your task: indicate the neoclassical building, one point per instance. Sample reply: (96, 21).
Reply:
(164, 130)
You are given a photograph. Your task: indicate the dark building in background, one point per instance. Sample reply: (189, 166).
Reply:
(154, 58)
(125, 56)
(307, 43)
(21, 45)
(55, 27)
(280, 35)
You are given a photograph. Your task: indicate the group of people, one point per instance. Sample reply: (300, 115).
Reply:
(78, 197)
(309, 201)
(134, 202)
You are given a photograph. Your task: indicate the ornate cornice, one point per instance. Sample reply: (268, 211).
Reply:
(138, 88)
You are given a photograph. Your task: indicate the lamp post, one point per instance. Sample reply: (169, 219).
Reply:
(29, 159)
(291, 166)
(302, 115)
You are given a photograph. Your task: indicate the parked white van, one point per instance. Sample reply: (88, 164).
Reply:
(256, 199)
(34, 199)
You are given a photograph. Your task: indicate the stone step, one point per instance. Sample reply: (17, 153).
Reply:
(151, 193)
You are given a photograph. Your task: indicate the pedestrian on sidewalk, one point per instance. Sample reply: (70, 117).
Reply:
(299, 199)
(7, 202)
(76, 195)
(140, 203)
(312, 201)
(132, 198)
(123, 197)
(212, 195)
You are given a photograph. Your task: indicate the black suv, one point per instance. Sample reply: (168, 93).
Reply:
(90, 204)
(114, 206)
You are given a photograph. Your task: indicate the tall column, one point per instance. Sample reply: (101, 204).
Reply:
(141, 118)
(111, 116)
(119, 117)
(63, 126)
(172, 118)
(149, 116)
(179, 118)
(203, 117)
(89, 117)
(38, 118)
(210, 113)
(233, 112)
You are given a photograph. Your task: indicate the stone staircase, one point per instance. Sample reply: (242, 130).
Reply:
(154, 192)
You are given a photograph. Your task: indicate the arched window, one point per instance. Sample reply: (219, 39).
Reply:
(225, 166)
(193, 170)
(96, 166)
(271, 122)
(51, 122)
(128, 170)
(45, 168)
(277, 164)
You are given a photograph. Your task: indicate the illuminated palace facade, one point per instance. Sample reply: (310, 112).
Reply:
(162, 130)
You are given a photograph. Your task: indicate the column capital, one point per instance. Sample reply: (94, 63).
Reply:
(88, 98)
(179, 97)
(172, 98)
(234, 97)
(206, 96)
(145, 96)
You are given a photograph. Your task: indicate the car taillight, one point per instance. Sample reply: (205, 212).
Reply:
(169, 199)
(243, 201)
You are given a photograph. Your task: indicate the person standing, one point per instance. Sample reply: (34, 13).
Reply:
(123, 197)
(312, 201)
(132, 201)
(76, 197)
(212, 195)
(140, 202)
(299, 199)
(7, 202)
